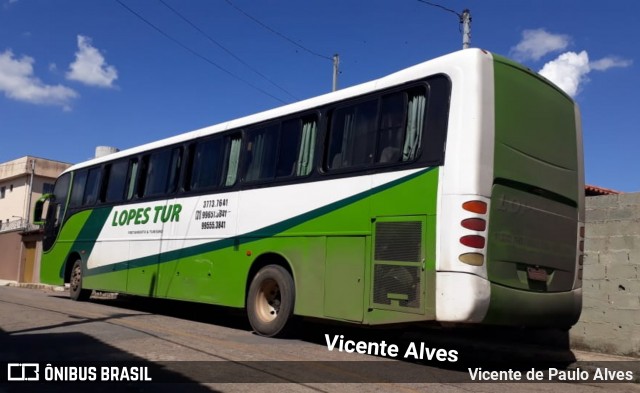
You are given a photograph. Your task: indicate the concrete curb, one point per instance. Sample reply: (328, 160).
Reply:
(55, 288)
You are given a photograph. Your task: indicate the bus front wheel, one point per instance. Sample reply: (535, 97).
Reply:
(270, 301)
(75, 283)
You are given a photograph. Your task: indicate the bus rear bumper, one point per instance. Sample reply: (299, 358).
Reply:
(467, 298)
(461, 297)
(515, 307)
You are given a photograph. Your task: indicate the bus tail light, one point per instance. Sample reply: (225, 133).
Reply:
(472, 258)
(473, 241)
(478, 225)
(475, 224)
(475, 207)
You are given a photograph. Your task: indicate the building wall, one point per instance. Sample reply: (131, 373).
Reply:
(610, 320)
(20, 255)
(15, 177)
(12, 205)
(10, 247)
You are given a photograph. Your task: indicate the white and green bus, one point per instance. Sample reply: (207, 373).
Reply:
(451, 191)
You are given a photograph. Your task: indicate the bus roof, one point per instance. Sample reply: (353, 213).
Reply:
(463, 58)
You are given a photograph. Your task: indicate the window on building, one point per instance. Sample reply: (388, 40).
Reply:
(3, 191)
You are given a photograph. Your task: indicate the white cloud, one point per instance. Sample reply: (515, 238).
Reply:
(90, 67)
(570, 70)
(537, 43)
(18, 82)
(609, 62)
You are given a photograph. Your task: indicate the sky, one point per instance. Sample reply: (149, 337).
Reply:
(77, 74)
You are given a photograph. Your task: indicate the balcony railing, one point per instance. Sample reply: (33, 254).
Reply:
(17, 225)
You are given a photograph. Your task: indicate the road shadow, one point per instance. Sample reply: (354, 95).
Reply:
(87, 356)
(474, 345)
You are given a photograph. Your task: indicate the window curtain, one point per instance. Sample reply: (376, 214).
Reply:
(415, 123)
(343, 157)
(234, 155)
(305, 156)
(257, 155)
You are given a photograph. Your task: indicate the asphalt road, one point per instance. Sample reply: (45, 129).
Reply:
(190, 347)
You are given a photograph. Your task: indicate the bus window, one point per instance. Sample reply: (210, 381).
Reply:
(162, 171)
(116, 181)
(206, 170)
(415, 124)
(233, 159)
(78, 187)
(60, 197)
(290, 134)
(352, 136)
(174, 170)
(91, 187)
(261, 153)
(304, 163)
(391, 134)
(133, 173)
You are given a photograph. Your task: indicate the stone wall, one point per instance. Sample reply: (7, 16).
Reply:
(610, 320)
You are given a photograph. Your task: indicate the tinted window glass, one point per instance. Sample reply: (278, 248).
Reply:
(260, 153)
(77, 190)
(352, 136)
(207, 164)
(116, 181)
(392, 131)
(91, 187)
(289, 146)
(133, 173)
(162, 171)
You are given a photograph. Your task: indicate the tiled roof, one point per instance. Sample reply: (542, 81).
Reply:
(595, 190)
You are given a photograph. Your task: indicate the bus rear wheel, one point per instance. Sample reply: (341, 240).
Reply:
(75, 283)
(270, 301)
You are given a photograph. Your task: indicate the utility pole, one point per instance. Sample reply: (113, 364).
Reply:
(336, 63)
(465, 19)
(30, 195)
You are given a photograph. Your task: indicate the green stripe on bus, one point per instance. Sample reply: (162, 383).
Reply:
(249, 237)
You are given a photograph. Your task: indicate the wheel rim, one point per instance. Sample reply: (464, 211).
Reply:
(76, 278)
(268, 301)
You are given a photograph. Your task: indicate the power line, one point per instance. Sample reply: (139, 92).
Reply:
(226, 49)
(442, 7)
(193, 52)
(464, 20)
(277, 32)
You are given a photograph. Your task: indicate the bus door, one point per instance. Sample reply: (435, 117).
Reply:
(144, 250)
(399, 264)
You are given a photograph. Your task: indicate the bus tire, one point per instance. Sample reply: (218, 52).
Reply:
(76, 292)
(270, 301)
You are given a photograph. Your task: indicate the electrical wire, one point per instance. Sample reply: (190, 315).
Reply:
(460, 16)
(193, 52)
(277, 32)
(228, 51)
(440, 6)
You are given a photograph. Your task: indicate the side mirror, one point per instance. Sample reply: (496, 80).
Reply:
(38, 211)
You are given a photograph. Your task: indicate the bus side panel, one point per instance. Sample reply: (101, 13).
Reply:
(52, 266)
